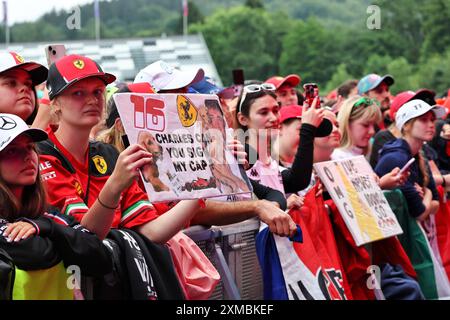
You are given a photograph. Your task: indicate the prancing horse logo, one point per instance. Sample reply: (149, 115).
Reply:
(7, 123)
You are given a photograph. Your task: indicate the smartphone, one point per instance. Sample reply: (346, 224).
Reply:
(54, 52)
(126, 142)
(311, 92)
(406, 166)
(238, 81)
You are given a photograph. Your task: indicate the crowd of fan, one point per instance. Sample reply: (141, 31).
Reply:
(58, 209)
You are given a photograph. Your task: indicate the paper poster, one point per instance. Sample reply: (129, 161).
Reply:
(186, 135)
(360, 200)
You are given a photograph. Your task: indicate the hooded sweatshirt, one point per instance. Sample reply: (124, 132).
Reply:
(397, 153)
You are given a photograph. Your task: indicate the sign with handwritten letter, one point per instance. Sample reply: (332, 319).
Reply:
(186, 135)
(360, 201)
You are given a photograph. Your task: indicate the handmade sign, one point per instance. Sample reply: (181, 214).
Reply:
(186, 134)
(360, 201)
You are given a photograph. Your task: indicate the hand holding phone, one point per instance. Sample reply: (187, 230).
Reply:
(54, 52)
(238, 81)
(406, 166)
(311, 92)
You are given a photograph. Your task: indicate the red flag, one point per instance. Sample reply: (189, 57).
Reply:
(185, 8)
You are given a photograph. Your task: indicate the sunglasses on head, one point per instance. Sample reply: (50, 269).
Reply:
(252, 88)
(366, 102)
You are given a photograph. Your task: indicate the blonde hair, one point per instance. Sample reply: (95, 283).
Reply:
(112, 136)
(348, 113)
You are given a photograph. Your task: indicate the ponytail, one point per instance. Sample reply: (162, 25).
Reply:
(423, 168)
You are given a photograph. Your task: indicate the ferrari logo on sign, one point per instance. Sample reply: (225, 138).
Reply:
(100, 164)
(79, 64)
(187, 112)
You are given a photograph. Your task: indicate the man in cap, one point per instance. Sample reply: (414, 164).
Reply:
(376, 87)
(285, 89)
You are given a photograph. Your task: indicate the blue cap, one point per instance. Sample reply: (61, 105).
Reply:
(207, 86)
(371, 81)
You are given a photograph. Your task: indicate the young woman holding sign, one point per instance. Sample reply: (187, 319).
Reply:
(90, 180)
(269, 209)
(357, 119)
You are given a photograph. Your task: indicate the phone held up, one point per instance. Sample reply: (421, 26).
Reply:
(238, 81)
(54, 52)
(311, 92)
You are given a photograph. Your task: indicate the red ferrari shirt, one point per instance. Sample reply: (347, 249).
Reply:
(67, 190)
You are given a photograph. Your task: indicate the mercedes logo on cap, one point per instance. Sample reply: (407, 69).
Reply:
(7, 123)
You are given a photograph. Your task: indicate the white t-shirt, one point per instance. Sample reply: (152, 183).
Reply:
(268, 175)
(345, 153)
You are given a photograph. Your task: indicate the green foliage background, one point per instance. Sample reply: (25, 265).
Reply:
(324, 41)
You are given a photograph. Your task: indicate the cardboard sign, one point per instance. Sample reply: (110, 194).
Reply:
(186, 134)
(360, 201)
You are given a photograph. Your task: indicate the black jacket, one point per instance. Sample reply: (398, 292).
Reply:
(58, 238)
(143, 270)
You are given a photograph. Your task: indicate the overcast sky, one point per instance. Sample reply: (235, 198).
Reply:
(30, 10)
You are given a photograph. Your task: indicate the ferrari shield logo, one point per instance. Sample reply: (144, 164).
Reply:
(187, 112)
(100, 164)
(79, 64)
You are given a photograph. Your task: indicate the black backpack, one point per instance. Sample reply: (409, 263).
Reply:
(7, 275)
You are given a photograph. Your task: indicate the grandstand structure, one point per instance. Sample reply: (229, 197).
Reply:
(125, 57)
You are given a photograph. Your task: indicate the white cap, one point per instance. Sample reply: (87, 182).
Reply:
(162, 76)
(415, 108)
(11, 60)
(12, 126)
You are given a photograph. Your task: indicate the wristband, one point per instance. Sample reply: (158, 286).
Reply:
(44, 101)
(104, 205)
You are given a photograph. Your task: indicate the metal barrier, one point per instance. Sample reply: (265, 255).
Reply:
(232, 251)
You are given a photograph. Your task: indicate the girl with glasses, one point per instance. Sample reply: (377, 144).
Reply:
(357, 119)
(258, 120)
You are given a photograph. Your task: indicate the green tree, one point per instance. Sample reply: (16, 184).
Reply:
(244, 38)
(436, 25)
(311, 51)
(403, 74)
(339, 76)
(254, 4)
(402, 25)
(433, 73)
(377, 64)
